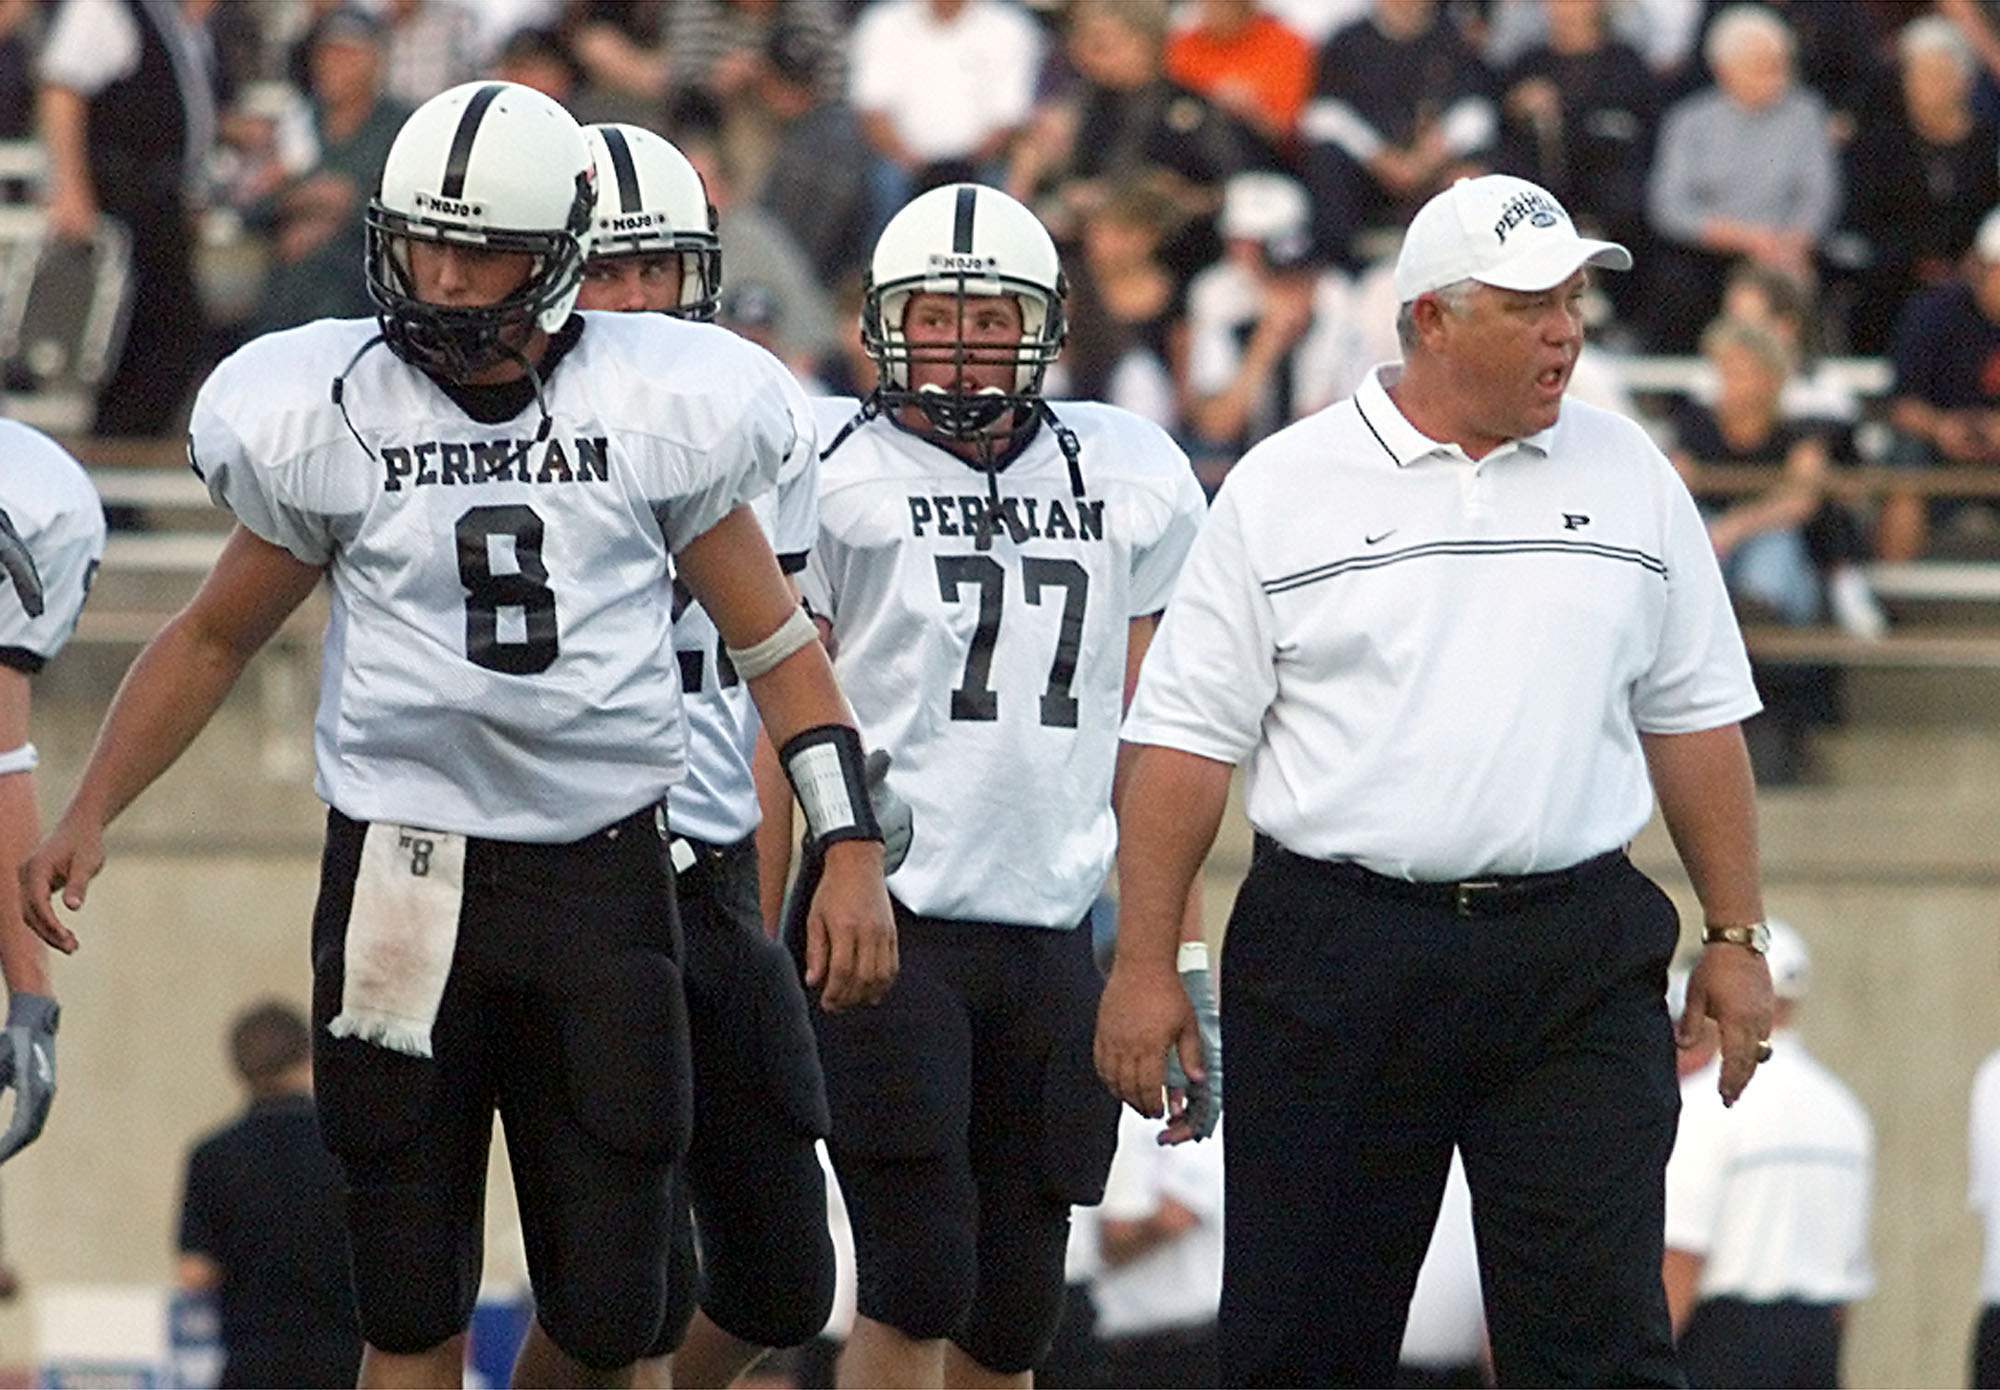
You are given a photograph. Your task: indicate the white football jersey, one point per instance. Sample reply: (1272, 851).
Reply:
(51, 540)
(990, 660)
(497, 661)
(717, 801)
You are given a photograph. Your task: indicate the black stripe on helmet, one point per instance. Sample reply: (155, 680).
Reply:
(961, 226)
(461, 141)
(623, 170)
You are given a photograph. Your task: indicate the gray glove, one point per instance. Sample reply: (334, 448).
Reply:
(28, 1064)
(892, 813)
(1204, 1097)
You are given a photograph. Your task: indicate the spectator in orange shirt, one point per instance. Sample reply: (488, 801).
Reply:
(1248, 63)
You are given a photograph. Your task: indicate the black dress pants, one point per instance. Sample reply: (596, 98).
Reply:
(1368, 1032)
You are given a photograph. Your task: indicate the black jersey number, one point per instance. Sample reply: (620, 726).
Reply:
(975, 698)
(487, 593)
(693, 663)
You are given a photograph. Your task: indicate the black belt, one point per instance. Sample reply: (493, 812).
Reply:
(1490, 896)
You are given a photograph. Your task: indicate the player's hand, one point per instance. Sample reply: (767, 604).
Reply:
(68, 860)
(892, 813)
(850, 929)
(1200, 1095)
(28, 1065)
(1732, 985)
(1145, 1012)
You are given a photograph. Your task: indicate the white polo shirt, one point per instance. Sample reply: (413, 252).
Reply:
(1983, 1194)
(1774, 1192)
(1440, 668)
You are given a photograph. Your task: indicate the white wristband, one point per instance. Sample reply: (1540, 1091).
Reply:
(1193, 956)
(794, 633)
(22, 759)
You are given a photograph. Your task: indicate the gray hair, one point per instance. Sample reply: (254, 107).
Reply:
(1739, 24)
(1935, 34)
(1456, 298)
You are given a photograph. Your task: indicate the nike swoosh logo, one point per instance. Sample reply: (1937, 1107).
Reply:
(1375, 540)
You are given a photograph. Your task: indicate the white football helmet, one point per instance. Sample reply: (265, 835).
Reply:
(488, 164)
(651, 201)
(971, 241)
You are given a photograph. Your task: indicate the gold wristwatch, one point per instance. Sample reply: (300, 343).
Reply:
(1754, 935)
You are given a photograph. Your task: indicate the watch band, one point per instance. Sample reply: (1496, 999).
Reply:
(1754, 935)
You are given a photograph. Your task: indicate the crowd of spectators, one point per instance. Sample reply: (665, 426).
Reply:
(1225, 178)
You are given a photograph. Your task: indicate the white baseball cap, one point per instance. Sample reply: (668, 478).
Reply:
(1498, 230)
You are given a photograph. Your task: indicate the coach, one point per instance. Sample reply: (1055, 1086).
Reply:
(1451, 625)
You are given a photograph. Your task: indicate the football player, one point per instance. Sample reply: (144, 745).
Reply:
(988, 571)
(754, 1179)
(51, 539)
(497, 490)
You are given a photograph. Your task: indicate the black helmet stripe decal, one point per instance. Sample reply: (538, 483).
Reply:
(961, 226)
(461, 140)
(622, 168)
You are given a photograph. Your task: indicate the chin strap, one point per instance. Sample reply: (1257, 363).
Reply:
(1066, 440)
(534, 379)
(871, 406)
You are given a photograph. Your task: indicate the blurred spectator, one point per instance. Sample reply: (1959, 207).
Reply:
(19, 33)
(1743, 169)
(537, 57)
(720, 48)
(940, 82)
(128, 113)
(1126, 120)
(817, 182)
(1402, 107)
(756, 247)
(316, 220)
(620, 45)
(1944, 410)
(1578, 114)
(432, 46)
(1786, 309)
(1921, 175)
(1248, 63)
(261, 1224)
(1271, 337)
(1661, 32)
(1159, 1240)
(1126, 308)
(1768, 1209)
(1833, 54)
(1788, 553)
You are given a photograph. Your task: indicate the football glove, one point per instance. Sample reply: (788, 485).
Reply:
(28, 1064)
(1204, 1097)
(892, 813)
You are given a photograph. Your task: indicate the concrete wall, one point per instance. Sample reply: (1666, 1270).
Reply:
(1892, 870)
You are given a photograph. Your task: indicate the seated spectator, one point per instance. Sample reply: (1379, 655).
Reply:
(433, 45)
(1745, 168)
(1578, 112)
(1248, 63)
(1402, 107)
(1787, 552)
(939, 82)
(1760, 539)
(1921, 175)
(1127, 120)
(1944, 410)
(1271, 337)
(538, 58)
(756, 247)
(817, 183)
(621, 49)
(1126, 309)
(315, 221)
(1786, 309)
(719, 49)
